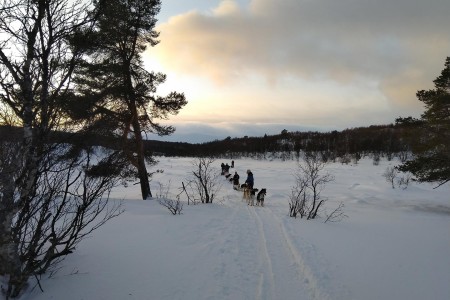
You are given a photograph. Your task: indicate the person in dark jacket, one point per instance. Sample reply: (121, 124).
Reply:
(236, 179)
(227, 168)
(250, 180)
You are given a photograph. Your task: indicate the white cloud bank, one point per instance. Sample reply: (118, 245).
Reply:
(322, 63)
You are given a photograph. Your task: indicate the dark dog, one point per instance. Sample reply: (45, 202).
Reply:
(228, 175)
(260, 197)
(249, 194)
(239, 187)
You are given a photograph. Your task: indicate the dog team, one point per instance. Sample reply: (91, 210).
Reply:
(249, 192)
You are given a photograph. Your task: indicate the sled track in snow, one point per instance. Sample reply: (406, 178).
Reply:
(305, 276)
(263, 246)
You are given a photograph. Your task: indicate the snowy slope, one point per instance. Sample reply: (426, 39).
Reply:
(394, 244)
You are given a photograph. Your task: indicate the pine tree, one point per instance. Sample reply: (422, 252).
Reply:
(432, 149)
(118, 94)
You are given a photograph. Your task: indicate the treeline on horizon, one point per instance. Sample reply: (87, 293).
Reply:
(383, 140)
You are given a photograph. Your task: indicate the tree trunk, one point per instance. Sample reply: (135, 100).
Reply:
(9, 258)
(10, 262)
(6, 211)
(142, 169)
(143, 178)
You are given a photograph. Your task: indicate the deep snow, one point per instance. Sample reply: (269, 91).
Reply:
(395, 243)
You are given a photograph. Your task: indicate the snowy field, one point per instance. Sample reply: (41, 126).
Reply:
(395, 244)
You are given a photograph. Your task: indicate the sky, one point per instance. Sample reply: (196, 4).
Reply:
(255, 67)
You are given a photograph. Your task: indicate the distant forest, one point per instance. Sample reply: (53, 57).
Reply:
(377, 140)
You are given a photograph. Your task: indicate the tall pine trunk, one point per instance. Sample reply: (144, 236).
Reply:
(140, 155)
(142, 169)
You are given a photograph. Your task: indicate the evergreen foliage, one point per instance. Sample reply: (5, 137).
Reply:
(116, 95)
(432, 148)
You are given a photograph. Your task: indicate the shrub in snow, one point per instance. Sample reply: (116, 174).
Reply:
(306, 199)
(337, 214)
(40, 228)
(174, 206)
(205, 182)
(404, 181)
(390, 174)
(345, 159)
(376, 159)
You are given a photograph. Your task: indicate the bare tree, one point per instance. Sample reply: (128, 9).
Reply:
(67, 205)
(48, 199)
(337, 214)
(189, 192)
(376, 158)
(175, 206)
(299, 199)
(404, 180)
(390, 174)
(306, 196)
(206, 179)
(404, 155)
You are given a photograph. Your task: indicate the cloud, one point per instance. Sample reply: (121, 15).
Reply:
(227, 8)
(305, 38)
(282, 54)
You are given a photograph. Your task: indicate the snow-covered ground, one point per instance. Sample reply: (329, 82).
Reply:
(395, 244)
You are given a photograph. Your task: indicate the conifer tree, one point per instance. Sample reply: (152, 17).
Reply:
(117, 93)
(432, 150)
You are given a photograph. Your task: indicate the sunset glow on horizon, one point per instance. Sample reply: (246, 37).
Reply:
(299, 64)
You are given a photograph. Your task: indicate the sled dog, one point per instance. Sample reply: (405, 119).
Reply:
(260, 197)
